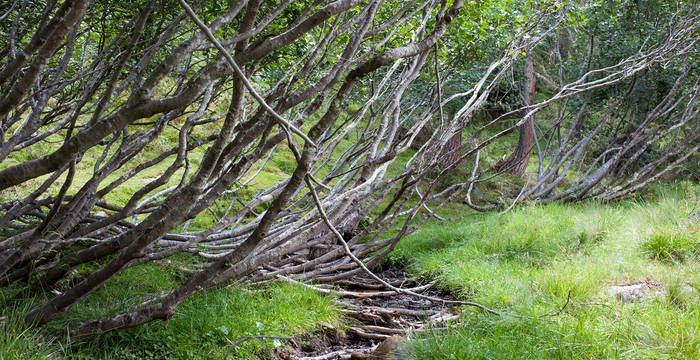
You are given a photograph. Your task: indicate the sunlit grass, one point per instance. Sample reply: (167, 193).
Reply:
(672, 245)
(530, 261)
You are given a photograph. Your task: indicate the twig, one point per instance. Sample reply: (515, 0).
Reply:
(568, 300)
(592, 304)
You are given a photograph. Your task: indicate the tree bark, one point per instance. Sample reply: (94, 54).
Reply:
(517, 163)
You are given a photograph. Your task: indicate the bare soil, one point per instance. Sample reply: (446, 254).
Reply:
(374, 314)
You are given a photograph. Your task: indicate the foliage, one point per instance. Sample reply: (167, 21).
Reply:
(201, 329)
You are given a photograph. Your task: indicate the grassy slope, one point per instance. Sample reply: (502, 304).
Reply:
(527, 262)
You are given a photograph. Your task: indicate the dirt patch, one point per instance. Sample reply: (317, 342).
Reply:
(375, 315)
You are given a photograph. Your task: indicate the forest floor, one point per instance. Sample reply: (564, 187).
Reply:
(571, 281)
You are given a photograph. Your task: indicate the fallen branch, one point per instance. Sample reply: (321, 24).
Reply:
(366, 335)
(369, 272)
(336, 354)
(381, 329)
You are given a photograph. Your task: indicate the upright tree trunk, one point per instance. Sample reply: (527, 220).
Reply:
(517, 162)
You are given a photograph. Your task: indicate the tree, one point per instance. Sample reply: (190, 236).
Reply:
(518, 161)
(339, 87)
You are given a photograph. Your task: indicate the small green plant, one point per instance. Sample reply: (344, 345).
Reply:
(672, 245)
(675, 295)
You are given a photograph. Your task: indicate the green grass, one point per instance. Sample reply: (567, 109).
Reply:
(529, 261)
(673, 245)
(200, 329)
(17, 342)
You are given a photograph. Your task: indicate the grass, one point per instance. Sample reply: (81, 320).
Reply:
(17, 342)
(201, 328)
(529, 261)
(673, 245)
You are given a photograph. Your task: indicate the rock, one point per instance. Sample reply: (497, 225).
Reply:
(389, 349)
(356, 355)
(637, 291)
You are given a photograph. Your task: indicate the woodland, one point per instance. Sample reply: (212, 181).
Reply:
(283, 179)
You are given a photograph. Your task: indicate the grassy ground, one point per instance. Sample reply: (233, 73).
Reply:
(202, 327)
(529, 261)
(525, 263)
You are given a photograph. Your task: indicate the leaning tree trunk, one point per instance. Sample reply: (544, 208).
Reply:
(451, 151)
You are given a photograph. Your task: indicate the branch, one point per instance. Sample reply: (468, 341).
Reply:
(369, 272)
(242, 76)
